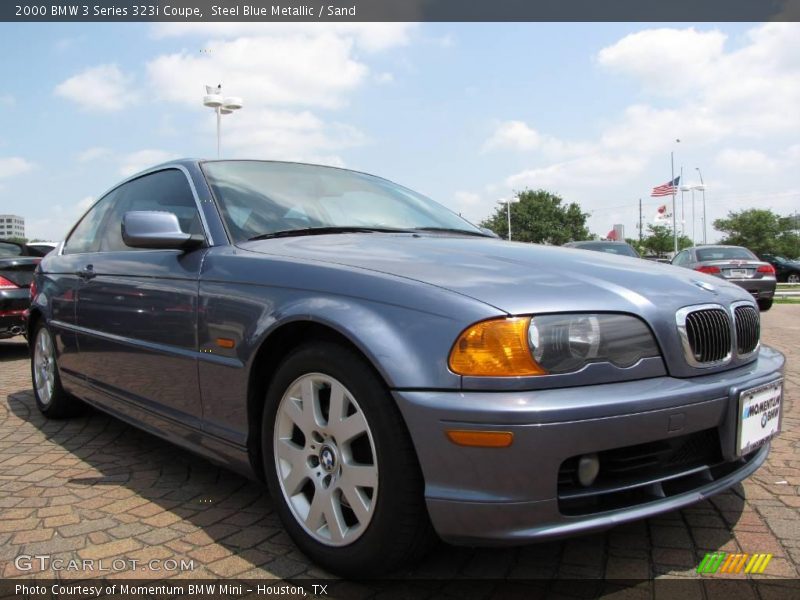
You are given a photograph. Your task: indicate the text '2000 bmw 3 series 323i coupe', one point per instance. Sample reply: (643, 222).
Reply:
(392, 372)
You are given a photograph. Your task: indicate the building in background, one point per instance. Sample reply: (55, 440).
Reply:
(12, 226)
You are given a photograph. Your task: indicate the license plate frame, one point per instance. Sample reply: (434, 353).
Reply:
(738, 273)
(758, 395)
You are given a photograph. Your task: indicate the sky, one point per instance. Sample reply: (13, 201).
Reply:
(467, 114)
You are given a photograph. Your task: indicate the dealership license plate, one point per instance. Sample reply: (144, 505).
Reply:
(759, 415)
(738, 273)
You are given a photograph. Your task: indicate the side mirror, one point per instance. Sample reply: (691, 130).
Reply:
(157, 230)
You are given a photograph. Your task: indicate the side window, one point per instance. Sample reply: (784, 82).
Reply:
(86, 236)
(167, 191)
(681, 259)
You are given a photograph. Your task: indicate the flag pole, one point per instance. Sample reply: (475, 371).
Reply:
(674, 216)
(683, 208)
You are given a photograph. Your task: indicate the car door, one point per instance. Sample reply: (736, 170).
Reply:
(61, 281)
(137, 309)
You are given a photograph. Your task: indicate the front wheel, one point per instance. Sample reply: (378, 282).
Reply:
(793, 278)
(340, 465)
(764, 304)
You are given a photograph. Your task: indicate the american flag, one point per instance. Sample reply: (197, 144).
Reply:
(666, 189)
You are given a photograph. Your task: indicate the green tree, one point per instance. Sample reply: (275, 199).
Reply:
(540, 217)
(659, 240)
(760, 230)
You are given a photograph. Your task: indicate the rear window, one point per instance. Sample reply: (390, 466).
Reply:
(7, 249)
(621, 249)
(704, 254)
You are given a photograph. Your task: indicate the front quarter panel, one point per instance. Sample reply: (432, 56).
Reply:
(404, 328)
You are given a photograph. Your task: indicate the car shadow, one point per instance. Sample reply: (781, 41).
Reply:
(184, 506)
(15, 348)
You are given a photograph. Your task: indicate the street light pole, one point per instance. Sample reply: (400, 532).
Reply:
(703, 189)
(222, 106)
(508, 202)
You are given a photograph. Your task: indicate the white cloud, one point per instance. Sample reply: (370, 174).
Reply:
(515, 135)
(666, 61)
(733, 104)
(371, 37)
(288, 135)
(14, 165)
(104, 88)
(143, 159)
(291, 76)
(91, 154)
(274, 71)
(746, 161)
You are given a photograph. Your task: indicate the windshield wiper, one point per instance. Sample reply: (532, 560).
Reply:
(325, 230)
(452, 230)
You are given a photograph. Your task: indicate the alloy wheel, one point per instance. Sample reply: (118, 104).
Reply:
(44, 366)
(325, 459)
(793, 278)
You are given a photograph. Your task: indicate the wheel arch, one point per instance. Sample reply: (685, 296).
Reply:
(273, 349)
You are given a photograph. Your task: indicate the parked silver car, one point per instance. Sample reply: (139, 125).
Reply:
(735, 264)
(391, 371)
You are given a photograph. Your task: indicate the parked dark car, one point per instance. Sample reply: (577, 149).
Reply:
(734, 264)
(17, 263)
(786, 270)
(390, 370)
(620, 248)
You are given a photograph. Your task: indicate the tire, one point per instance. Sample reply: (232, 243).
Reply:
(764, 304)
(391, 526)
(793, 278)
(51, 399)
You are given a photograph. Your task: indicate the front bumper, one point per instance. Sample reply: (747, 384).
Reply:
(13, 304)
(511, 495)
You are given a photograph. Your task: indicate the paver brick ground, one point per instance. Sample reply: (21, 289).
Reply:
(95, 488)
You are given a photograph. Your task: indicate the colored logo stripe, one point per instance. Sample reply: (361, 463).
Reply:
(722, 562)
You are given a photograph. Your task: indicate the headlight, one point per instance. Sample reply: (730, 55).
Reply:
(565, 343)
(550, 344)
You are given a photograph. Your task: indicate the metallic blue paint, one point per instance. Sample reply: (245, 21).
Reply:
(137, 337)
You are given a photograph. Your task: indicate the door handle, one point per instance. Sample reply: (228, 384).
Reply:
(86, 273)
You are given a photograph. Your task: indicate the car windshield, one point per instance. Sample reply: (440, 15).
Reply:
(704, 254)
(260, 199)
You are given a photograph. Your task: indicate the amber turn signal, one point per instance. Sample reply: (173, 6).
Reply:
(495, 348)
(226, 343)
(480, 439)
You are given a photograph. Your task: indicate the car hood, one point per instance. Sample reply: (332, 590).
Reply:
(514, 277)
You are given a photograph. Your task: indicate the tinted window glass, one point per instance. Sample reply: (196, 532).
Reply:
(621, 249)
(681, 258)
(167, 191)
(86, 236)
(734, 253)
(7, 249)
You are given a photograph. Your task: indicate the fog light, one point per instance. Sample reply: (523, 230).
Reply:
(588, 468)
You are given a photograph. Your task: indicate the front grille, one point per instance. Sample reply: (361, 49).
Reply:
(640, 473)
(708, 334)
(748, 328)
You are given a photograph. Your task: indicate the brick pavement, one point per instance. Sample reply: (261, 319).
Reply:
(94, 488)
